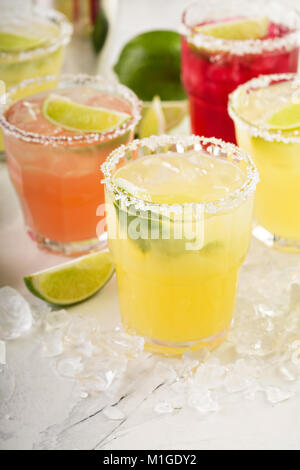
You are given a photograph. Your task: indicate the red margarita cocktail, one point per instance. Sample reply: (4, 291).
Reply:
(226, 45)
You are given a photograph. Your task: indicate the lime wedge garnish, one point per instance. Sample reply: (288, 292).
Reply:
(132, 189)
(26, 35)
(62, 111)
(153, 122)
(286, 118)
(174, 112)
(14, 43)
(72, 282)
(242, 29)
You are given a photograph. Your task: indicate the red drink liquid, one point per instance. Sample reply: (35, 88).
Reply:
(210, 76)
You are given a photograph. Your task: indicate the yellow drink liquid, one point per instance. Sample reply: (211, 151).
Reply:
(276, 156)
(178, 293)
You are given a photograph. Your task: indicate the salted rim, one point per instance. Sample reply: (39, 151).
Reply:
(80, 79)
(239, 47)
(256, 130)
(53, 16)
(214, 147)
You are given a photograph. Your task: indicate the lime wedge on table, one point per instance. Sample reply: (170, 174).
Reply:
(242, 29)
(286, 118)
(64, 112)
(72, 282)
(153, 121)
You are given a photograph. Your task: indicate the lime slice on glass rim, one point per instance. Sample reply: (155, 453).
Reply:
(132, 189)
(286, 118)
(14, 43)
(235, 30)
(153, 121)
(26, 35)
(174, 112)
(62, 111)
(72, 282)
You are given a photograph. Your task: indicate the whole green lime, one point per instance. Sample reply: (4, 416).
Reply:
(149, 64)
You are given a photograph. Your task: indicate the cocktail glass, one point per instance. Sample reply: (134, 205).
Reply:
(177, 265)
(212, 67)
(55, 171)
(44, 59)
(276, 155)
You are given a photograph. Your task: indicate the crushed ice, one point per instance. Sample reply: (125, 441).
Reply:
(15, 314)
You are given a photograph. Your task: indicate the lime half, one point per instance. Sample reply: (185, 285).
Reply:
(286, 118)
(62, 111)
(150, 65)
(153, 121)
(243, 29)
(72, 282)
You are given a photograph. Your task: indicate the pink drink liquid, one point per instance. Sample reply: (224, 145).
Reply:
(59, 185)
(209, 77)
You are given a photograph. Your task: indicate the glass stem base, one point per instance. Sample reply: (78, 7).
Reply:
(271, 240)
(70, 248)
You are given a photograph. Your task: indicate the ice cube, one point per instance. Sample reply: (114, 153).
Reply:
(239, 377)
(53, 345)
(114, 413)
(15, 314)
(276, 395)
(287, 373)
(210, 374)
(57, 319)
(203, 402)
(69, 367)
(163, 407)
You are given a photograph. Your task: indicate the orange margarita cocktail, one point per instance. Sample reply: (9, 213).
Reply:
(179, 216)
(55, 142)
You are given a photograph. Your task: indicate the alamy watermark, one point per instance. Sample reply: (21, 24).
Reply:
(123, 223)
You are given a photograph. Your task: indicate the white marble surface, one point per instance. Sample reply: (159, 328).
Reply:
(42, 410)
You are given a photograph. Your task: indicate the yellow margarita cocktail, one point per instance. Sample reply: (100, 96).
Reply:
(32, 44)
(179, 221)
(266, 113)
